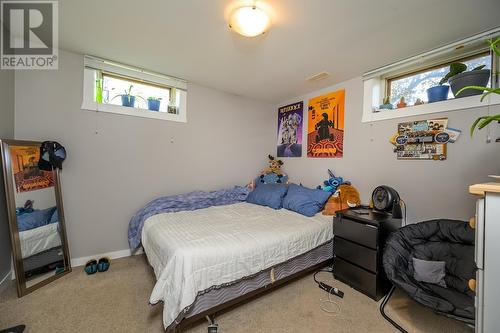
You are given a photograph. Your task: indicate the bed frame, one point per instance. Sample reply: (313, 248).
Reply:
(210, 313)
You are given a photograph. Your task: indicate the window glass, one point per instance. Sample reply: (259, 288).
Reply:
(415, 86)
(120, 91)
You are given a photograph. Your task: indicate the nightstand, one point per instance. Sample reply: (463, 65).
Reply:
(359, 239)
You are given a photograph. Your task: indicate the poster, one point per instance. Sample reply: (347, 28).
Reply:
(290, 120)
(325, 127)
(27, 175)
(422, 140)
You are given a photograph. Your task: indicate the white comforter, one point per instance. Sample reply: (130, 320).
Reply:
(39, 239)
(194, 250)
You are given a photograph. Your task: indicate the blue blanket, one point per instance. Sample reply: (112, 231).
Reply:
(182, 202)
(36, 218)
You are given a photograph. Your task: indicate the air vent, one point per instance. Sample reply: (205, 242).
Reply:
(319, 76)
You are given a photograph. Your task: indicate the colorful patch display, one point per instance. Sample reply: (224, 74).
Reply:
(421, 140)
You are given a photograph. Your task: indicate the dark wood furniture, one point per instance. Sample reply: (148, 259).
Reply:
(360, 236)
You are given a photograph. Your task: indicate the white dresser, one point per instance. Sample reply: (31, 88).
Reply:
(487, 256)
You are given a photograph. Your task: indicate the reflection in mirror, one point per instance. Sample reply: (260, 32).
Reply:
(35, 216)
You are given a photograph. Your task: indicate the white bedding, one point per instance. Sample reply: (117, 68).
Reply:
(39, 239)
(194, 250)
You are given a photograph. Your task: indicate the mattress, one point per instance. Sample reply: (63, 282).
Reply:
(39, 239)
(212, 297)
(192, 251)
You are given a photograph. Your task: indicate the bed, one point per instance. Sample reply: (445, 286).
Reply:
(38, 240)
(209, 258)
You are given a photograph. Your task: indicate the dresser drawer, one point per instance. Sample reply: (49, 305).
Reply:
(357, 254)
(356, 277)
(361, 233)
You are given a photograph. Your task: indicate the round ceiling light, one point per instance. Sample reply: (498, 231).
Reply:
(249, 21)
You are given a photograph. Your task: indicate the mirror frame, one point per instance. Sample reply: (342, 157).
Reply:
(9, 187)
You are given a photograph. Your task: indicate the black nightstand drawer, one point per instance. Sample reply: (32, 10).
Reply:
(357, 254)
(356, 277)
(361, 233)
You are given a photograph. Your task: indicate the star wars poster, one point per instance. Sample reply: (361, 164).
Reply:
(27, 175)
(325, 127)
(290, 130)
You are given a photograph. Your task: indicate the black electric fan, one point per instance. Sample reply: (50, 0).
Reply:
(386, 199)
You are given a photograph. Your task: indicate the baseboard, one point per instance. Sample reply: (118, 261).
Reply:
(75, 262)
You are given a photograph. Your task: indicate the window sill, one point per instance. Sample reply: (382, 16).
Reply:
(370, 115)
(135, 112)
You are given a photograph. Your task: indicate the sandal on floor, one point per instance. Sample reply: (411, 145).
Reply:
(103, 265)
(91, 267)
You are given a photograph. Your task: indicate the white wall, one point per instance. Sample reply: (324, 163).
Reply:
(432, 189)
(42, 199)
(6, 132)
(116, 164)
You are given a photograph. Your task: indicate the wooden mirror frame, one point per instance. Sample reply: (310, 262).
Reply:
(10, 204)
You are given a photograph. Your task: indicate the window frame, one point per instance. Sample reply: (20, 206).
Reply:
(94, 68)
(375, 83)
(448, 62)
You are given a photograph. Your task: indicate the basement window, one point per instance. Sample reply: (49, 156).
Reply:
(413, 85)
(410, 78)
(121, 89)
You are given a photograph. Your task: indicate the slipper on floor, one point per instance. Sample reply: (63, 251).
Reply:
(17, 329)
(91, 267)
(103, 264)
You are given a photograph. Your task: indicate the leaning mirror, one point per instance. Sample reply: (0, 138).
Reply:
(36, 216)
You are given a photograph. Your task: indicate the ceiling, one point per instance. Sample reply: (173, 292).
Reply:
(190, 38)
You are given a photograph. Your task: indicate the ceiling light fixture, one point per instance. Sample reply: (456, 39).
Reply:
(249, 21)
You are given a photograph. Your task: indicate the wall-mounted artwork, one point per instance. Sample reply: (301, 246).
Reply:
(290, 120)
(325, 127)
(27, 175)
(422, 140)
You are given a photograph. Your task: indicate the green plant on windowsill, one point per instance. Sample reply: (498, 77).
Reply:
(128, 99)
(154, 103)
(483, 121)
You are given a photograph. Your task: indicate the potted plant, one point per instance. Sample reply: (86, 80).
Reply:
(154, 103)
(128, 99)
(459, 77)
(440, 92)
(386, 104)
(401, 103)
(483, 121)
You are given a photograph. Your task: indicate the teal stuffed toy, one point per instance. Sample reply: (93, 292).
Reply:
(332, 183)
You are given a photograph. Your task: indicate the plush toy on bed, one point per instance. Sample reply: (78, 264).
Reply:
(272, 174)
(332, 183)
(346, 196)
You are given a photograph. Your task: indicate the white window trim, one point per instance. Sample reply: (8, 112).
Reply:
(374, 87)
(372, 98)
(90, 104)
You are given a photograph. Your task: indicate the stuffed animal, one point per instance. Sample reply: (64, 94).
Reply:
(346, 196)
(332, 183)
(273, 173)
(274, 166)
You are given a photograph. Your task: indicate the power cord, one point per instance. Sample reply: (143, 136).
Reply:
(329, 306)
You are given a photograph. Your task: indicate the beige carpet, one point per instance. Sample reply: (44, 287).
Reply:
(117, 301)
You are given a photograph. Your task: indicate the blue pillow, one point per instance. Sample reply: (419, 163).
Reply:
(304, 200)
(54, 218)
(270, 195)
(35, 219)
